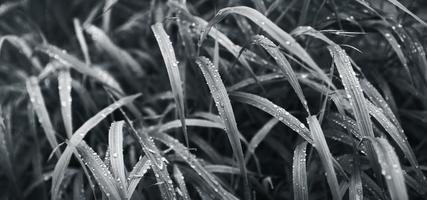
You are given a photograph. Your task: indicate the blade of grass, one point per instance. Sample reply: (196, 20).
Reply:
(99, 170)
(222, 102)
(319, 142)
(390, 168)
(283, 38)
(118, 168)
(171, 64)
(79, 134)
(120, 55)
(81, 39)
(39, 107)
(404, 9)
(276, 111)
(64, 88)
(179, 178)
(299, 172)
(259, 137)
(138, 171)
(284, 66)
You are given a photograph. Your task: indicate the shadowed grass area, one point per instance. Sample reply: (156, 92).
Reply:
(186, 99)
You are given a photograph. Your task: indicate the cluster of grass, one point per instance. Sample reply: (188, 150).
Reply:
(176, 99)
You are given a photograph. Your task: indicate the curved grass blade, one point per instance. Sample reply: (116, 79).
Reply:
(99, 170)
(259, 137)
(190, 122)
(78, 65)
(23, 47)
(276, 111)
(299, 172)
(81, 39)
(120, 55)
(79, 134)
(222, 102)
(249, 81)
(118, 168)
(209, 180)
(283, 38)
(39, 106)
(64, 88)
(319, 142)
(138, 171)
(390, 168)
(404, 9)
(355, 95)
(179, 178)
(284, 66)
(171, 63)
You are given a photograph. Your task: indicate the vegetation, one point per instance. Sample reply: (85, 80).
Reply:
(176, 99)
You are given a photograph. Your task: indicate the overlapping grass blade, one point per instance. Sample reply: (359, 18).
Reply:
(404, 9)
(319, 142)
(209, 180)
(276, 111)
(179, 178)
(81, 39)
(390, 168)
(355, 95)
(259, 137)
(64, 88)
(283, 38)
(222, 102)
(138, 171)
(190, 122)
(284, 66)
(99, 170)
(249, 81)
(39, 107)
(356, 187)
(76, 64)
(399, 138)
(118, 168)
(299, 172)
(79, 134)
(120, 55)
(23, 47)
(171, 64)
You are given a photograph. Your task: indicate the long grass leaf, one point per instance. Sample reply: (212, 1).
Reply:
(404, 9)
(115, 146)
(39, 107)
(171, 63)
(225, 110)
(284, 66)
(120, 55)
(390, 168)
(99, 170)
(283, 38)
(299, 172)
(81, 39)
(138, 171)
(276, 111)
(64, 88)
(79, 134)
(179, 178)
(259, 137)
(319, 142)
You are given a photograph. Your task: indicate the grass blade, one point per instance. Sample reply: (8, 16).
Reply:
(284, 66)
(404, 9)
(138, 171)
(79, 134)
(39, 106)
(171, 63)
(283, 38)
(179, 178)
(64, 88)
(99, 170)
(115, 141)
(319, 142)
(390, 168)
(81, 39)
(209, 180)
(222, 102)
(299, 172)
(120, 55)
(276, 111)
(259, 137)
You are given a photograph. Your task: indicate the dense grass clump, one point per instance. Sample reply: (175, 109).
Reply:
(176, 99)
